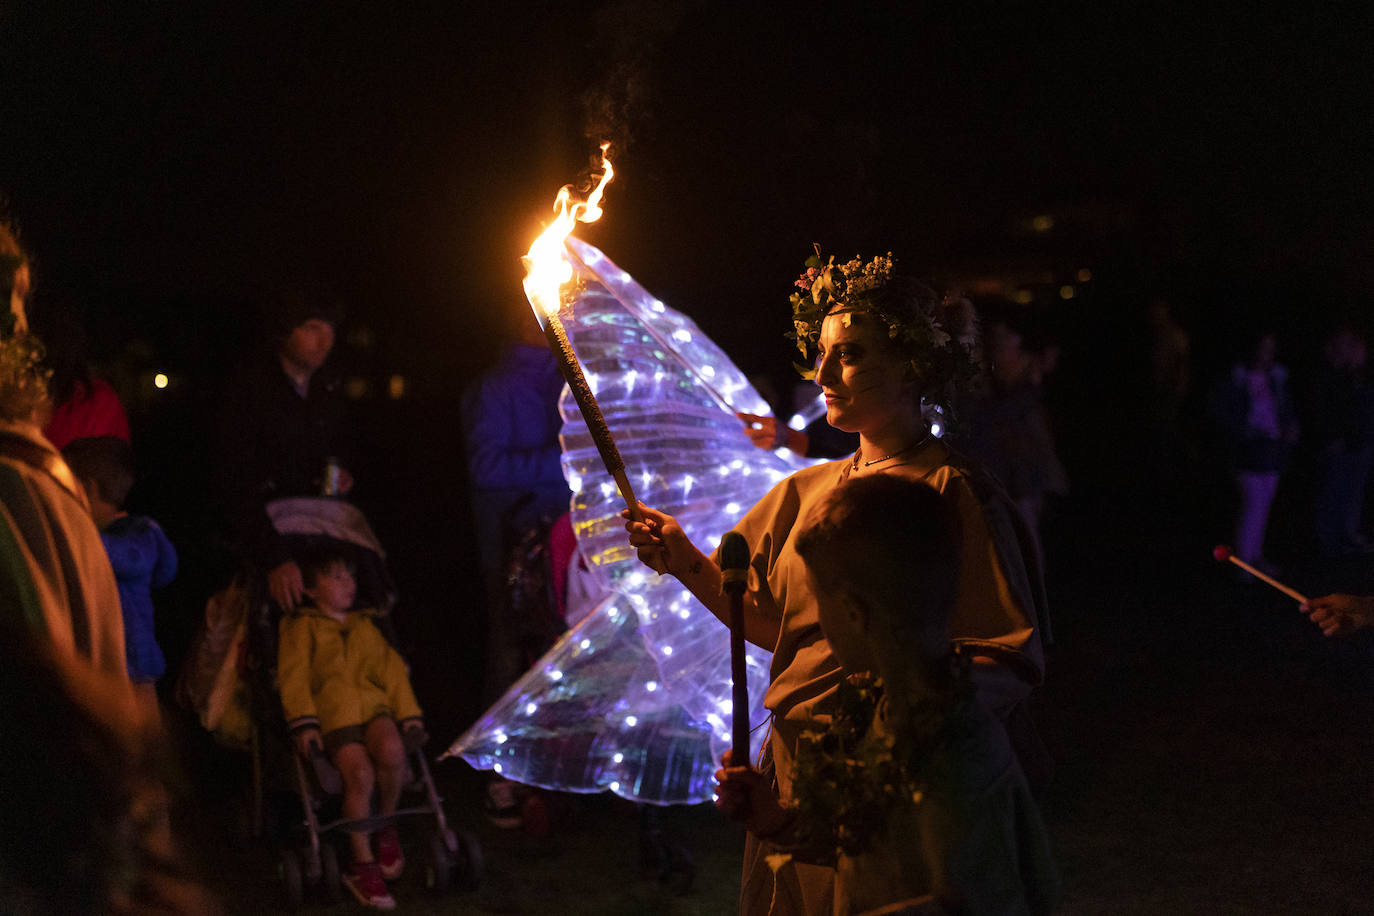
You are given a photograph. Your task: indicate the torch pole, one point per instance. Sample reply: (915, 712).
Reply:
(734, 580)
(568, 364)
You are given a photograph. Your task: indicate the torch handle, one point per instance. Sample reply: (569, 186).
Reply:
(739, 710)
(627, 493)
(568, 364)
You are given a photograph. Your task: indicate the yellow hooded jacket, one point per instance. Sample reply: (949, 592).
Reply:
(333, 675)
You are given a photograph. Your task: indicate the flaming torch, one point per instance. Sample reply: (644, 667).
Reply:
(547, 271)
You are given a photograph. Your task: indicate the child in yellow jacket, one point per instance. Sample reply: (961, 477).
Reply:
(346, 690)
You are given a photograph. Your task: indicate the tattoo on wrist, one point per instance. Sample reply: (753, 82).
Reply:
(695, 567)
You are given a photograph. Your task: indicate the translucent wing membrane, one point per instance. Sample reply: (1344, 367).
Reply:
(635, 698)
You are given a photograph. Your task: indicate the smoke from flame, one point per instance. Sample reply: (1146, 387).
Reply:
(546, 269)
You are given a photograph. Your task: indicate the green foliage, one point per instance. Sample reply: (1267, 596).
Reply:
(23, 379)
(848, 779)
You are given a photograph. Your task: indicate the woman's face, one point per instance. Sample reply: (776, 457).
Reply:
(862, 376)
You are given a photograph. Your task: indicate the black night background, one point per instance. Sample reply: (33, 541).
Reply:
(168, 163)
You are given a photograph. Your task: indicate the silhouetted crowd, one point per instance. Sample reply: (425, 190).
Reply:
(86, 676)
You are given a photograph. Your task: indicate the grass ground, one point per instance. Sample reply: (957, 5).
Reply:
(1214, 755)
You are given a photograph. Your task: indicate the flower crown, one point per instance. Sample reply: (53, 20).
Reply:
(913, 314)
(23, 378)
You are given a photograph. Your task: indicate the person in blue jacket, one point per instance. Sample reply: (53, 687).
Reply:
(140, 553)
(510, 427)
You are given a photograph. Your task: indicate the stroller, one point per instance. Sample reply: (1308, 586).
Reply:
(232, 683)
(309, 857)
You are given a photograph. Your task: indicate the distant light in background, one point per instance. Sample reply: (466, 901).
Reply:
(1043, 223)
(396, 387)
(361, 338)
(1066, 292)
(1024, 296)
(1085, 275)
(355, 388)
(160, 380)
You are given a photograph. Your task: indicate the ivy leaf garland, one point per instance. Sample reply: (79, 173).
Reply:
(909, 310)
(848, 779)
(23, 377)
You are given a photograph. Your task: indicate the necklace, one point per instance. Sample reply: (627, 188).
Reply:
(901, 451)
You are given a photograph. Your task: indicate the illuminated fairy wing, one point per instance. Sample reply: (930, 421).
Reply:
(635, 698)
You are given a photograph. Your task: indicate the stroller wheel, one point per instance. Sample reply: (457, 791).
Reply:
(469, 864)
(331, 880)
(438, 868)
(292, 879)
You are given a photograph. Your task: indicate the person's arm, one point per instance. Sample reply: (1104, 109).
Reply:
(404, 707)
(746, 796)
(1339, 614)
(660, 539)
(768, 434)
(995, 617)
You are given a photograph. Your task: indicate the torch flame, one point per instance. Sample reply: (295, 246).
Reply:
(546, 268)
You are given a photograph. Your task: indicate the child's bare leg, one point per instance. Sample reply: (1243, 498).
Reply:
(356, 769)
(387, 751)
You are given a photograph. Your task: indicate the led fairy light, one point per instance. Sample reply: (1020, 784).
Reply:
(679, 424)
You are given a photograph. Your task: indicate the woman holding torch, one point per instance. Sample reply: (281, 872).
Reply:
(880, 349)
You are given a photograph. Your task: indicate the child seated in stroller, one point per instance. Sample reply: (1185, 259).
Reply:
(345, 690)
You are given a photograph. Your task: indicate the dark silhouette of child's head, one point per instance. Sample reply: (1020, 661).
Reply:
(883, 556)
(106, 460)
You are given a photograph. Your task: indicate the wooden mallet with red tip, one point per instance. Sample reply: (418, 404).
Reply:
(1222, 553)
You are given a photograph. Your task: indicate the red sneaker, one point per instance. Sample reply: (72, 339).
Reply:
(390, 858)
(365, 880)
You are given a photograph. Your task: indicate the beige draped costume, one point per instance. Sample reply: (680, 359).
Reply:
(995, 616)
